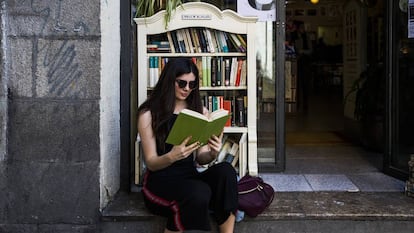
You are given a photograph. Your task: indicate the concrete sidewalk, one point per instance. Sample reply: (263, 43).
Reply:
(303, 212)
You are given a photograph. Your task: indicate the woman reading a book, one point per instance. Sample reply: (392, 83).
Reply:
(172, 185)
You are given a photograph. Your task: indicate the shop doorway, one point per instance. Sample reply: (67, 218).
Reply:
(322, 134)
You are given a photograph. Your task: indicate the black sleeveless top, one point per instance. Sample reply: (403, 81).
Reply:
(179, 169)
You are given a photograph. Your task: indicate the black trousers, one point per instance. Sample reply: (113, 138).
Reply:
(187, 202)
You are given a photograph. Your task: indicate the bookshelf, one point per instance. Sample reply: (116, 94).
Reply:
(155, 44)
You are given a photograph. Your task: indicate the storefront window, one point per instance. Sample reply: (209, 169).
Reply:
(403, 83)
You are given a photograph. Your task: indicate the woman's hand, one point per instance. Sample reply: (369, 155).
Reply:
(182, 151)
(215, 145)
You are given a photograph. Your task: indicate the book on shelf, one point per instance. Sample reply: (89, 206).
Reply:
(233, 71)
(213, 102)
(189, 40)
(231, 149)
(204, 75)
(197, 125)
(238, 72)
(240, 112)
(210, 42)
(181, 41)
(243, 78)
(153, 71)
(170, 41)
(214, 71)
(230, 45)
(218, 41)
(202, 41)
(208, 71)
(159, 46)
(227, 106)
(227, 70)
(242, 40)
(175, 41)
(236, 43)
(225, 148)
(196, 40)
(232, 156)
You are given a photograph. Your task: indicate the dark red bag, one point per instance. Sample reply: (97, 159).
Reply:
(254, 195)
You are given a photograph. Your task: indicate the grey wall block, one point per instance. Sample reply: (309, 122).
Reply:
(53, 18)
(55, 68)
(54, 131)
(52, 192)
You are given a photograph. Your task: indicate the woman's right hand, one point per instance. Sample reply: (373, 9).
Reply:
(183, 150)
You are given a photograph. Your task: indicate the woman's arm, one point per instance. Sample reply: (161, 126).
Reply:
(153, 161)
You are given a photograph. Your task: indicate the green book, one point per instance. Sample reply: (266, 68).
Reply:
(197, 125)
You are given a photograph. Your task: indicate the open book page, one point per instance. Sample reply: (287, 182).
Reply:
(197, 125)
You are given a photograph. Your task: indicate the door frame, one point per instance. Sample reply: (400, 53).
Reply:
(392, 106)
(280, 131)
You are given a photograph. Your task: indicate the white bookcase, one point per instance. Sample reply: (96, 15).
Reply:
(204, 15)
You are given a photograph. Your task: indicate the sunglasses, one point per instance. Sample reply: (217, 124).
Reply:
(183, 84)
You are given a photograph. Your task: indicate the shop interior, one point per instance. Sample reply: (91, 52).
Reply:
(319, 136)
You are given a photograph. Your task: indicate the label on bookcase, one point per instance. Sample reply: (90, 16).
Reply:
(196, 16)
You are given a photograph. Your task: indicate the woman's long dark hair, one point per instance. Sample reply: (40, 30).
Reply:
(161, 102)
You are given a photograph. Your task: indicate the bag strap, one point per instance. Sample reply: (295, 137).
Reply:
(258, 187)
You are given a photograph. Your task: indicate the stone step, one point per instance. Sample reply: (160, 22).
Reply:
(290, 212)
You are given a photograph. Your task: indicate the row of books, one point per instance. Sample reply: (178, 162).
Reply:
(222, 71)
(236, 105)
(213, 71)
(197, 40)
(231, 150)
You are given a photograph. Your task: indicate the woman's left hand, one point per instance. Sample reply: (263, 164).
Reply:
(215, 144)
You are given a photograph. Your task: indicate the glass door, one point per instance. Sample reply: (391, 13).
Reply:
(271, 93)
(270, 64)
(400, 143)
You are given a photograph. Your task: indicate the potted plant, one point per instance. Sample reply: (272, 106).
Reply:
(369, 91)
(146, 8)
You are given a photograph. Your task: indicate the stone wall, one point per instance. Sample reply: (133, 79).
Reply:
(50, 102)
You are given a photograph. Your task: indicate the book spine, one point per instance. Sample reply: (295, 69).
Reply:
(243, 78)
(219, 62)
(156, 70)
(151, 73)
(170, 41)
(227, 106)
(202, 39)
(238, 72)
(204, 70)
(214, 71)
(233, 70)
(237, 43)
(195, 40)
(208, 71)
(218, 41)
(206, 40)
(240, 121)
(210, 103)
(175, 42)
(181, 42)
(210, 41)
(229, 43)
(190, 41)
(227, 69)
(233, 110)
